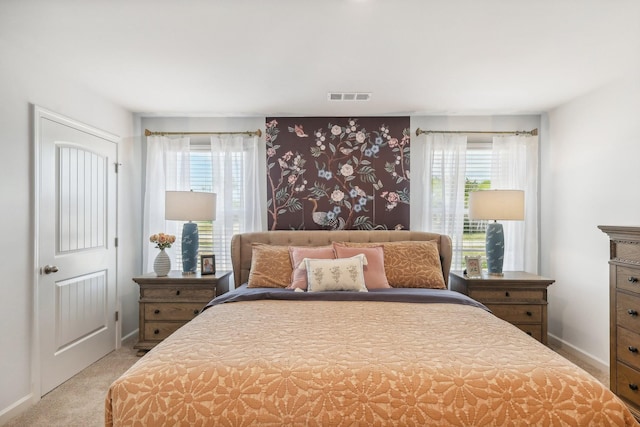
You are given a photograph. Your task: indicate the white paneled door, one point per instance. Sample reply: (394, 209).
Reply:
(75, 246)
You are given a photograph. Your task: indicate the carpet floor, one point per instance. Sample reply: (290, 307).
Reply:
(80, 400)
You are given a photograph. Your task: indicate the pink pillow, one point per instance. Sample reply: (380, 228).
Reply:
(297, 254)
(374, 274)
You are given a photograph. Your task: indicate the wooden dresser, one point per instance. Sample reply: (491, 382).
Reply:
(519, 298)
(624, 287)
(166, 303)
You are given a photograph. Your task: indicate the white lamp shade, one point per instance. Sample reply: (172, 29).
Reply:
(190, 206)
(496, 205)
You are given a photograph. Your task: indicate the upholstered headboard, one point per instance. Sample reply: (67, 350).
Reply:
(241, 248)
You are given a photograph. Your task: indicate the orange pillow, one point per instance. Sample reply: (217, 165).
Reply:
(297, 254)
(374, 274)
(270, 266)
(410, 264)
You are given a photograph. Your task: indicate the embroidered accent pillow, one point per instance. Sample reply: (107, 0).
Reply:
(374, 274)
(298, 278)
(270, 266)
(343, 274)
(410, 264)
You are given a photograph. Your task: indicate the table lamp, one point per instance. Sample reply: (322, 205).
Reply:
(496, 205)
(190, 206)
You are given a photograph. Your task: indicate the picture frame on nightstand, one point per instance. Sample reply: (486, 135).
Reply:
(474, 266)
(207, 264)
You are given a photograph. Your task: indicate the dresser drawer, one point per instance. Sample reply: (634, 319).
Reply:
(628, 278)
(172, 310)
(628, 383)
(157, 331)
(628, 311)
(178, 293)
(626, 251)
(628, 347)
(483, 295)
(534, 331)
(517, 313)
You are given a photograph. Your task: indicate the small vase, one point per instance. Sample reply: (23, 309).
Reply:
(162, 264)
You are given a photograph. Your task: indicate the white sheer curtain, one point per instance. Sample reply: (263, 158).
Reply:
(168, 168)
(444, 180)
(236, 181)
(515, 167)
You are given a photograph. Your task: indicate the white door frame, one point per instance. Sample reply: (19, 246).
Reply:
(39, 113)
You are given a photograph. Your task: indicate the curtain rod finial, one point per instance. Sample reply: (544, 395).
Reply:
(259, 133)
(147, 132)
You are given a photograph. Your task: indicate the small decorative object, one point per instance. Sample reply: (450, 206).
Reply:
(473, 266)
(208, 264)
(162, 263)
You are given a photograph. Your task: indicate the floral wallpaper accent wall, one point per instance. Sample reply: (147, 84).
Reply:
(338, 173)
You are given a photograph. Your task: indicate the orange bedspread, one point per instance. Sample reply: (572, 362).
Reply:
(356, 363)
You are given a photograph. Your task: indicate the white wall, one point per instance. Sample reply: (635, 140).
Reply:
(589, 179)
(23, 81)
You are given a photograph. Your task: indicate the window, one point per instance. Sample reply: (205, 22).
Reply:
(214, 236)
(477, 177)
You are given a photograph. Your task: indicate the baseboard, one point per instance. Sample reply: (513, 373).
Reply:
(130, 335)
(16, 409)
(576, 352)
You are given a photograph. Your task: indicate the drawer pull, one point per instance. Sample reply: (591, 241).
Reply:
(633, 349)
(632, 312)
(177, 292)
(156, 311)
(156, 331)
(506, 294)
(632, 279)
(529, 313)
(196, 311)
(633, 387)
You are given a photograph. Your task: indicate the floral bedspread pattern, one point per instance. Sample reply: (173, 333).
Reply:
(338, 173)
(278, 363)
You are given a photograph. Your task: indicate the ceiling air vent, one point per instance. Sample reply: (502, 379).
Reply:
(349, 96)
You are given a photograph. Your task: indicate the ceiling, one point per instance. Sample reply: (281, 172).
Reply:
(283, 57)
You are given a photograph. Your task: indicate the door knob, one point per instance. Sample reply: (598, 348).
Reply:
(48, 269)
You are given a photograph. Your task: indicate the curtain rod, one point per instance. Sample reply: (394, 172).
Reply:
(258, 133)
(533, 132)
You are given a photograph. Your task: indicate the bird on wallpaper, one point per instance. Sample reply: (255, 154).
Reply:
(323, 219)
(299, 131)
(345, 150)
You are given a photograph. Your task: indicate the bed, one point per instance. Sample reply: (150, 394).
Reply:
(386, 356)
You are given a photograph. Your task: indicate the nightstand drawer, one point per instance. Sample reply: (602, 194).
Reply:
(628, 311)
(628, 279)
(517, 313)
(172, 311)
(507, 294)
(157, 331)
(178, 293)
(628, 347)
(628, 383)
(534, 331)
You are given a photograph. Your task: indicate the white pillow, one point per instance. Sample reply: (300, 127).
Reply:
(343, 274)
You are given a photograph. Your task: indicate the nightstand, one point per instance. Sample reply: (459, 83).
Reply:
(166, 303)
(519, 298)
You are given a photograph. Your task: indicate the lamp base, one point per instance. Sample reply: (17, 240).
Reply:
(190, 248)
(495, 249)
